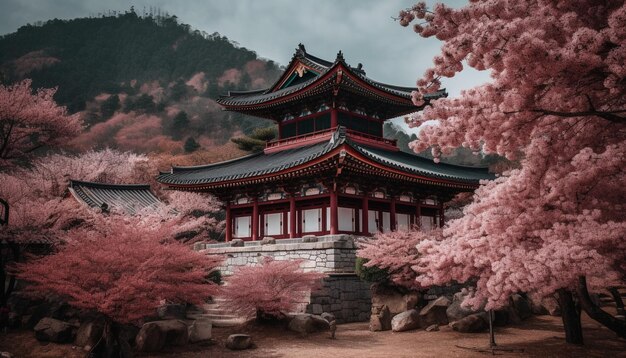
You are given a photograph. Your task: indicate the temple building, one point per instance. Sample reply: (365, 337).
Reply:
(330, 171)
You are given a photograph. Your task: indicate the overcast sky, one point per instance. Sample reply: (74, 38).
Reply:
(363, 29)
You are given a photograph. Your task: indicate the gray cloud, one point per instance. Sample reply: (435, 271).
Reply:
(364, 30)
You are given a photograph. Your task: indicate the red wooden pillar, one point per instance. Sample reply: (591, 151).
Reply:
(229, 224)
(418, 215)
(292, 217)
(333, 211)
(333, 118)
(441, 215)
(392, 214)
(365, 215)
(255, 219)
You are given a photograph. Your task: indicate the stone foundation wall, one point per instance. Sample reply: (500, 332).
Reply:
(342, 294)
(328, 254)
(345, 296)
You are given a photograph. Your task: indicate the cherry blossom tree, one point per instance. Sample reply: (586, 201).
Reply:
(557, 103)
(396, 253)
(270, 289)
(123, 270)
(29, 121)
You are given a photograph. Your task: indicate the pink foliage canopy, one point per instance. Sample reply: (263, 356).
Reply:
(274, 287)
(123, 270)
(396, 253)
(29, 121)
(557, 102)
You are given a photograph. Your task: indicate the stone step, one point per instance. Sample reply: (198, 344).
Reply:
(220, 321)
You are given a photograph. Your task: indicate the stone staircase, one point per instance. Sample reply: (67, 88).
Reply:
(219, 314)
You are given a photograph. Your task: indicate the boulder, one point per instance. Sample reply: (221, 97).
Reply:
(395, 299)
(268, 241)
(456, 311)
(406, 321)
(200, 330)
(320, 323)
(89, 333)
(473, 323)
(328, 316)
(153, 336)
(381, 321)
(435, 312)
(302, 323)
(170, 311)
(236, 243)
(238, 342)
(521, 306)
(52, 330)
(6, 355)
(432, 328)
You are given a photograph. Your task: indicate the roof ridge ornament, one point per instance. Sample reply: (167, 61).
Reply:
(301, 50)
(340, 57)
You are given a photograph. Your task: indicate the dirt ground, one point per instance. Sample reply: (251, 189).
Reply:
(538, 337)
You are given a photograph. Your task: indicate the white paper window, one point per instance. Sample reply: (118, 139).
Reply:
(386, 221)
(312, 220)
(403, 222)
(242, 226)
(346, 219)
(372, 221)
(274, 224)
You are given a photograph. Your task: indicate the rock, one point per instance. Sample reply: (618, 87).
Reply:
(268, 241)
(302, 323)
(406, 321)
(522, 306)
(89, 333)
(319, 323)
(309, 238)
(14, 320)
(381, 321)
(432, 328)
(328, 316)
(455, 311)
(238, 342)
(53, 330)
(6, 355)
(153, 336)
(38, 313)
(435, 312)
(396, 300)
(236, 243)
(200, 330)
(170, 311)
(473, 323)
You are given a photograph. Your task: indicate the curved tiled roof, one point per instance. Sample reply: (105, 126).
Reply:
(250, 98)
(267, 163)
(423, 166)
(248, 166)
(129, 198)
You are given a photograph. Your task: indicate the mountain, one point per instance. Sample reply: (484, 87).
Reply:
(144, 83)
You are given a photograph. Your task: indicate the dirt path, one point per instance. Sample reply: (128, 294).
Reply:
(539, 337)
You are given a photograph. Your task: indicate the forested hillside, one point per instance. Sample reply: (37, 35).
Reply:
(145, 83)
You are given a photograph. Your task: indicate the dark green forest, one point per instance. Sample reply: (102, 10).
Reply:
(98, 55)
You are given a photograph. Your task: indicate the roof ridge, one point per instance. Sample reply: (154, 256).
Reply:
(203, 166)
(108, 185)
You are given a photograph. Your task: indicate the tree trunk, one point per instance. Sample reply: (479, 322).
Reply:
(6, 289)
(112, 344)
(616, 325)
(571, 317)
(618, 301)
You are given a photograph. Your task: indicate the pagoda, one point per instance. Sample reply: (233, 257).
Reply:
(330, 171)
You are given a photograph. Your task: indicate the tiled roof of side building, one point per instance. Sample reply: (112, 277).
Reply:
(129, 198)
(261, 164)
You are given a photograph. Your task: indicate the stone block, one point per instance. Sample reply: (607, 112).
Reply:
(236, 243)
(238, 342)
(53, 330)
(405, 321)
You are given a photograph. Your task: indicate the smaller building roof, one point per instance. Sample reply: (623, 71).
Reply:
(130, 198)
